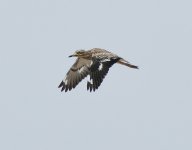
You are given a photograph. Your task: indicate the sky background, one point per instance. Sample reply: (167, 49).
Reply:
(145, 109)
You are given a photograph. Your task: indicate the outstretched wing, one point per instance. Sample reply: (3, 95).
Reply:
(77, 72)
(98, 74)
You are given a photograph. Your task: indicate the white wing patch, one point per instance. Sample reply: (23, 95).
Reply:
(65, 81)
(91, 63)
(100, 66)
(106, 59)
(89, 80)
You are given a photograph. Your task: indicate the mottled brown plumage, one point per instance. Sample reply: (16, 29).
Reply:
(95, 63)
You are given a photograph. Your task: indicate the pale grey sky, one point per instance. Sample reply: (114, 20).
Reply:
(145, 109)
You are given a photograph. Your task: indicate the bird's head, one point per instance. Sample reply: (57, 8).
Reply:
(79, 53)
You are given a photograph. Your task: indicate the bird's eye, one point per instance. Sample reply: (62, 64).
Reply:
(80, 52)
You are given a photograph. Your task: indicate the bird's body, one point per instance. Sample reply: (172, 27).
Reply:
(95, 63)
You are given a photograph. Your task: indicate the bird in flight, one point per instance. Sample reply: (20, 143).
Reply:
(94, 63)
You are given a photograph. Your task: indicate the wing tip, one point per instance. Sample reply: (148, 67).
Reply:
(89, 86)
(63, 86)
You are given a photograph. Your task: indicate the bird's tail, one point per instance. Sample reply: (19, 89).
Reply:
(126, 63)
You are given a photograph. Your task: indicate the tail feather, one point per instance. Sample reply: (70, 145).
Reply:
(126, 63)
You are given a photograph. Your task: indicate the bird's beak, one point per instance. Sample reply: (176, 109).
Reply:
(73, 55)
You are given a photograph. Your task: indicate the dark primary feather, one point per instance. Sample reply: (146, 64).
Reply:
(97, 75)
